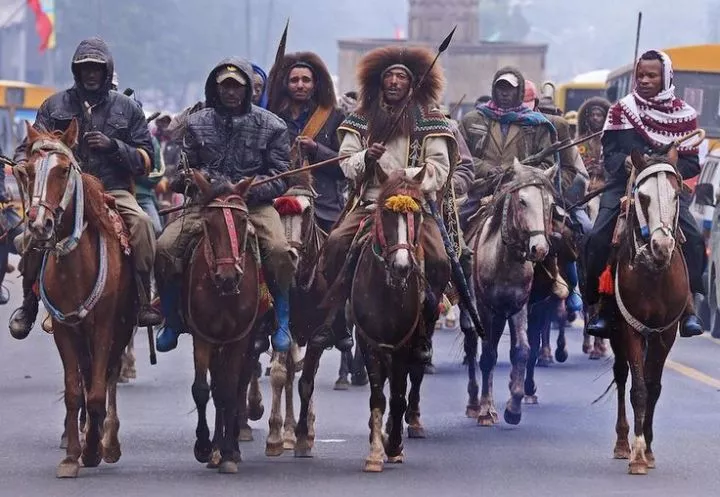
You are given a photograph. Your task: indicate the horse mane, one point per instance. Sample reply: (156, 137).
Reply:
(217, 189)
(96, 213)
(303, 180)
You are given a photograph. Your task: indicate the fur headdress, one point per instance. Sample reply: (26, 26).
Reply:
(277, 81)
(584, 113)
(416, 59)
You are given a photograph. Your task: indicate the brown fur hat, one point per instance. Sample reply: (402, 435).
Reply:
(584, 112)
(417, 59)
(277, 81)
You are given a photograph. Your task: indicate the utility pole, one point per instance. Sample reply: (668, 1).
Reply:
(248, 27)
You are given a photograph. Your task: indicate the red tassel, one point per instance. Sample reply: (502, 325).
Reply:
(288, 206)
(607, 286)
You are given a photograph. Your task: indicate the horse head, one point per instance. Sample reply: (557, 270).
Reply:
(398, 218)
(527, 201)
(52, 176)
(297, 213)
(226, 227)
(656, 192)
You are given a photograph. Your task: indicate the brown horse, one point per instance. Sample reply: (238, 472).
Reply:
(387, 307)
(221, 304)
(651, 290)
(71, 223)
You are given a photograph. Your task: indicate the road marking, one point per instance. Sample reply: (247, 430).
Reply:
(331, 441)
(693, 374)
(711, 338)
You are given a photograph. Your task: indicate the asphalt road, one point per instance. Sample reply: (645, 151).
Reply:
(563, 447)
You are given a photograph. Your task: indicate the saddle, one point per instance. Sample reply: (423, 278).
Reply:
(119, 226)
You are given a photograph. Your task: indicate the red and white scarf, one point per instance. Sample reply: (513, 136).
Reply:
(661, 119)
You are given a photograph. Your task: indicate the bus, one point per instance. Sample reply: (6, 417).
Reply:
(571, 95)
(697, 81)
(19, 101)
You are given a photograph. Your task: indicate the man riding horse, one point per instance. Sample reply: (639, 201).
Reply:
(648, 119)
(231, 139)
(303, 96)
(115, 146)
(422, 139)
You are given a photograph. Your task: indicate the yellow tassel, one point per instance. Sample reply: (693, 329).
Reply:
(402, 204)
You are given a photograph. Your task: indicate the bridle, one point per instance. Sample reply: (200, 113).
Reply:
(310, 238)
(49, 149)
(379, 238)
(514, 235)
(668, 220)
(229, 205)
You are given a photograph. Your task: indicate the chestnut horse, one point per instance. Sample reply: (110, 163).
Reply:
(221, 300)
(652, 291)
(92, 317)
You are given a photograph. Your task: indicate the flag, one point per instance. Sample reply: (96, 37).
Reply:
(44, 22)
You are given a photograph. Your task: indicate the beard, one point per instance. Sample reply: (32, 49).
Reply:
(381, 119)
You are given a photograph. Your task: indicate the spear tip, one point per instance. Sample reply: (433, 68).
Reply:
(447, 40)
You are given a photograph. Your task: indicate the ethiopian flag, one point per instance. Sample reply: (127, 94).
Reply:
(44, 21)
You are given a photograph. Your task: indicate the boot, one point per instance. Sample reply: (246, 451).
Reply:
(147, 314)
(167, 339)
(423, 351)
(599, 323)
(22, 320)
(281, 338)
(690, 324)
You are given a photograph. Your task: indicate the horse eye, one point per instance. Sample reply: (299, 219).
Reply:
(523, 202)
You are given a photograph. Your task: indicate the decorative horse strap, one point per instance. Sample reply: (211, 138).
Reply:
(668, 224)
(237, 257)
(401, 203)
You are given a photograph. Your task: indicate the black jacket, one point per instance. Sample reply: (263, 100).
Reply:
(617, 145)
(114, 114)
(329, 182)
(255, 143)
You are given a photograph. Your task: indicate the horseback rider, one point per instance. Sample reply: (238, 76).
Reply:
(497, 133)
(114, 146)
(591, 119)
(231, 139)
(422, 139)
(304, 97)
(649, 118)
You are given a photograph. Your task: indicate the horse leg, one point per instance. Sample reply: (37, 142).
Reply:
(519, 358)
(561, 353)
(488, 359)
(255, 405)
(412, 415)
(536, 322)
(599, 349)
(358, 374)
(587, 345)
(243, 432)
(470, 345)
(658, 350)
(201, 395)
(96, 399)
(226, 379)
(127, 369)
(290, 421)
(398, 405)
(376, 458)
(278, 378)
(110, 442)
(304, 431)
(545, 358)
(638, 398)
(620, 374)
(342, 383)
(67, 346)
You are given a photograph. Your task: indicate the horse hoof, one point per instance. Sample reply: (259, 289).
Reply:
(561, 355)
(544, 362)
(373, 466)
(512, 418)
(214, 460)
(430, 369)
(255, 413)
(112, 454)
(228, 468)
(123, 379)
(638, 468)
(64, 442)
(68, 469)
(202, 451)
(289, 444)
(342, 384)
(486, 420)
(594, 356)
(398, 459)
(472, 412)
(91, 460)
(245, 435)
(416, 432)
(650, 460)
(621, 452)
(303, 452)
(586, 348)
(359, 380)
(531, 400)
(274, 449)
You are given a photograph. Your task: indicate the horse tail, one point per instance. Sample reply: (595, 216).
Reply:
(606, 392)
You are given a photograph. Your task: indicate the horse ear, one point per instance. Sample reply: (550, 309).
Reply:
(381, 175)
(551, 172)
(202, 183)
(243, 186)
(420, 176)
(70, 136)
(32, 133)
(637, 159)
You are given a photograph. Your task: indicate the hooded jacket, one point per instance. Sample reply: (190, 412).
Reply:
(254, 143)
(113, 114)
